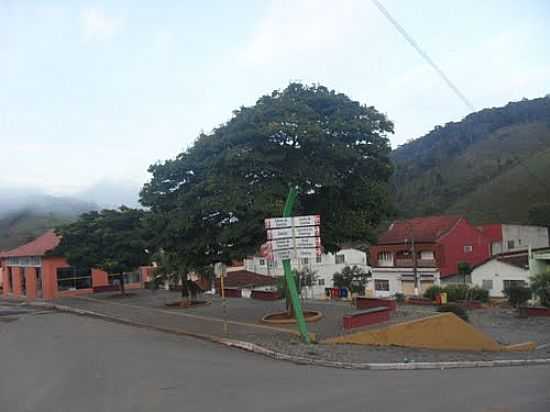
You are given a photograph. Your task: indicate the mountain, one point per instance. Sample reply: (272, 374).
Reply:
(27, 214)
(493, 166)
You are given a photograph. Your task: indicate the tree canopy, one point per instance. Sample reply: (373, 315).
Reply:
(209, 202)
(110, 240)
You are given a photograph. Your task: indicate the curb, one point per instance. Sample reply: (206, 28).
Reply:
(300, 360)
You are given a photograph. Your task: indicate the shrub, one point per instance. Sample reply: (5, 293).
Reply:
(517, 295)
(540, 286)
(456, 292)
(456, 309)
(399, 297)
(477, 293)
(432, 292)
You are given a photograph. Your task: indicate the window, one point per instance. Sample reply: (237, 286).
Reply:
(511, 244)
(130, 277)
(338, 259)
(71, 278)
(468, 248)
(305, 261)
(487, 284)
(262, 262)
(385, 256)
(382, 285)
(25, 261)
(511, 283)
(321, 282)
(318, 259)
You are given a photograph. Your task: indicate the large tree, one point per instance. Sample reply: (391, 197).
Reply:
(208, 204)
(110, 240)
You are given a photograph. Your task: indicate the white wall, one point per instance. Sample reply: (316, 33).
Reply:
(524, 236)
(395, 276)
(498, 272)
(324, 269)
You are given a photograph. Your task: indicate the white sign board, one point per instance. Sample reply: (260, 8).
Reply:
(303, 231)
(278, 244)
(313, 220)
(282, 222)
(278, 222)
(306, 242)
(293, 253)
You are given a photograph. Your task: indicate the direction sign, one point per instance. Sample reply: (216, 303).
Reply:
(279, 244)
(303, 231)
(282, 222)
(278, 222)
(313, 220)
(293, 253)
(305, 242)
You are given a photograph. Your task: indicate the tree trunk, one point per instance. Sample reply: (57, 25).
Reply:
(122, 290)
(185, 294)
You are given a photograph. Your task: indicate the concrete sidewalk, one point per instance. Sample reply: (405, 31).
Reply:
(176, 320)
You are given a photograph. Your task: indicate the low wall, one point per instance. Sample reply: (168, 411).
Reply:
(265, 295)
(537, 311)
(419, 301)
(470, 304)
(231, 292)
(363, 302)
(366, 317)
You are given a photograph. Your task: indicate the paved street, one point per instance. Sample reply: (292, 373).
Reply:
(61, 362)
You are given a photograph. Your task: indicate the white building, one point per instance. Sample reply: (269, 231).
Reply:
(514, 238)
(500, 272)
(324, 266)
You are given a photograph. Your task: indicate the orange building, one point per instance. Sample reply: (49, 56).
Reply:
(29, 271)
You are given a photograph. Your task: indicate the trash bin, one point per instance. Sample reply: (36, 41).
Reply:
(443, 297)
(343, 293)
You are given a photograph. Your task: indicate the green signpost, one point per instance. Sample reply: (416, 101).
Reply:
(289, 274)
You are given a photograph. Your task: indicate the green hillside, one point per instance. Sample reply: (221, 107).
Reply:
(492, 166)
(23, 226)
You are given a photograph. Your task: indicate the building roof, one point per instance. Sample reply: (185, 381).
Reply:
(423, 229)
(37, 247)
(517, 259)
(246, 279)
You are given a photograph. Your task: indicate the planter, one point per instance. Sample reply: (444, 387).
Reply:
(367, 317)
(231, 292)
(363, 302)
(419, 301)
(265, 295)
(282, 318)
(529, 311)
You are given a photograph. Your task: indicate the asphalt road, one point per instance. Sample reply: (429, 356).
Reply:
(60, 362)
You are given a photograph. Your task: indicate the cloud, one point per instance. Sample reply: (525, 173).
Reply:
(96, 25)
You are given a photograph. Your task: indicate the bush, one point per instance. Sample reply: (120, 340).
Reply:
(432, 292)
(456, 292)
(477, 293)
(517, 295)
(456, 309)
(399, 297)
(540, 286)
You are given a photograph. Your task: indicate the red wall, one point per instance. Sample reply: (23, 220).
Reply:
(453, 246)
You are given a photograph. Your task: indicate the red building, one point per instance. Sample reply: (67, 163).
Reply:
(29, 271)
(440, 243)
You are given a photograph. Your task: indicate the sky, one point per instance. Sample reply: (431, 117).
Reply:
(93, 92)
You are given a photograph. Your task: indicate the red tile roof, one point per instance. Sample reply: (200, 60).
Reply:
(246, 279)
(36, 247)
(423, 229)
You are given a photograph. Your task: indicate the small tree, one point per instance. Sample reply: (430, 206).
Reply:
(464, 269)
(175, 270)
(517, 295)
(354, 278)
(110, 240)
(540, 286)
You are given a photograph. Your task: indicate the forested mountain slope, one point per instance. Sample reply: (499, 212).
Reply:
(492, 166)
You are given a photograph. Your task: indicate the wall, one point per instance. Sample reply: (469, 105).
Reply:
(498, 272)
(432, 248)
(524, 236)
(453, 244)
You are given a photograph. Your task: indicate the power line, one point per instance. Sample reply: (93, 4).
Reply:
(424, 55)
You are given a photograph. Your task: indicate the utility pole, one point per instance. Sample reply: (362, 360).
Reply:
(415, 268)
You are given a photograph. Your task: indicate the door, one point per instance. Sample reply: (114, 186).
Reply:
(38, 282)
(407, 287)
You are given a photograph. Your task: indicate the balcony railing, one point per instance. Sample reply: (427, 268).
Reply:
(423, 263)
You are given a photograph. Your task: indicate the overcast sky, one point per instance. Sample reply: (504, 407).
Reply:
(94, 92)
